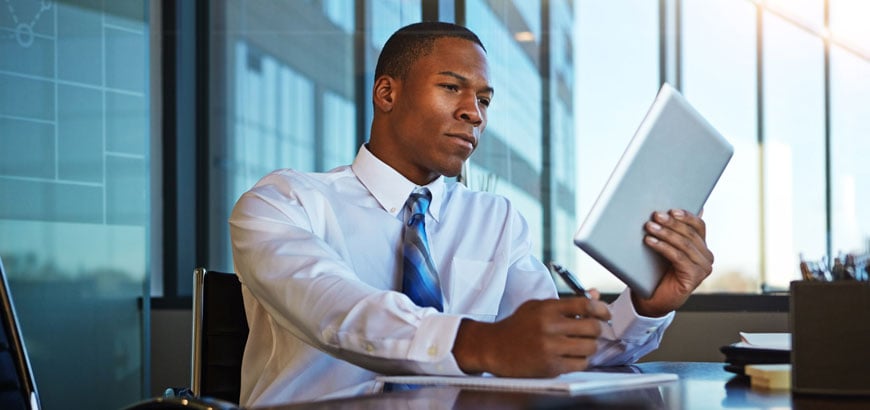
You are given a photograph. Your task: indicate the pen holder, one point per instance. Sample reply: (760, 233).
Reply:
(830, 328)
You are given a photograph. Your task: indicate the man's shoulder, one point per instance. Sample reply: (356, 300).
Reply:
(289, 181)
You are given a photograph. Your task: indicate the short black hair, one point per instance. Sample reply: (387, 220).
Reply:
(416, 40)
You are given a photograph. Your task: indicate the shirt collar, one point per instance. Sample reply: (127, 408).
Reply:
(390, 188)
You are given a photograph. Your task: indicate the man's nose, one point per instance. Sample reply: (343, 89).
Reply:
(470, 111)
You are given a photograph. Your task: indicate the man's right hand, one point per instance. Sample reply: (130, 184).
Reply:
(543, 338)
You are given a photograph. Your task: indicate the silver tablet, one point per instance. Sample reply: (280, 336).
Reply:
(673, 162)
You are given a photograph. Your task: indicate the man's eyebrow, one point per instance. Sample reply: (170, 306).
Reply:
(463, 79)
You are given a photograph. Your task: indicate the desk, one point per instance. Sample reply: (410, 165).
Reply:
(701, 386)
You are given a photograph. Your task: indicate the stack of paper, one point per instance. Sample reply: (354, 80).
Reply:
(757, 348)
(567, 383)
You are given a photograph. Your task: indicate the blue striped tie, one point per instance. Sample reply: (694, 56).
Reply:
(420, 279)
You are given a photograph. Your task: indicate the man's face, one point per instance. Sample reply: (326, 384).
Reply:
(440, 111)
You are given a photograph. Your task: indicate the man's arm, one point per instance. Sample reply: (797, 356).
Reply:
(545, 338)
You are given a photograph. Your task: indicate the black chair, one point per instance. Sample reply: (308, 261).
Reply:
(17, 385)
(220, 331)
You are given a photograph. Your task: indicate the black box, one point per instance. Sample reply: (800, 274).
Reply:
(830, 328)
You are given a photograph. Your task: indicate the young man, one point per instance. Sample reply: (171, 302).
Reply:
(321, 254)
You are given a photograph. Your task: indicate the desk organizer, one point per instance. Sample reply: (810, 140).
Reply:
(830, 327)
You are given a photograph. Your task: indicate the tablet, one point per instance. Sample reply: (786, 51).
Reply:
(673, 162)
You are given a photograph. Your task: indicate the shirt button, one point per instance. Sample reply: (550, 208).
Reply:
(392, 209)
(433, 351)
(369, 347)
(651, 330)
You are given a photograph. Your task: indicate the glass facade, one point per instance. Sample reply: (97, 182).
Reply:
(75, 193)
(574, 78)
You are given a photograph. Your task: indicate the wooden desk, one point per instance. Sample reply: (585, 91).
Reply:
(701, 386)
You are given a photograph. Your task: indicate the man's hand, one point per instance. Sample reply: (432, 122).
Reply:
(680, 237)
(543, 338)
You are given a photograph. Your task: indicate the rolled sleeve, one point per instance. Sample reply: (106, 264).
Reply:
(432, 345)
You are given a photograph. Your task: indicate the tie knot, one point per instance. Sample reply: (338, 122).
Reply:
(418, 202)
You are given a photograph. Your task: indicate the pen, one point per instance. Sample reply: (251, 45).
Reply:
(570, 280)
(573, 283)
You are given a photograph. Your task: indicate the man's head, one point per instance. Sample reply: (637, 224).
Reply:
(413, 41)
(430, 97)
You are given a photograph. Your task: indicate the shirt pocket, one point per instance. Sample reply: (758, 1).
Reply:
(476, 289)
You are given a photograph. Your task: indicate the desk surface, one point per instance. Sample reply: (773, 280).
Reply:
(701, 386)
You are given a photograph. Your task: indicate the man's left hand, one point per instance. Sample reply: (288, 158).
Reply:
(679, 236)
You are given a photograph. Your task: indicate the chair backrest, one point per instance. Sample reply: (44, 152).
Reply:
(220, 331)
(17, 386)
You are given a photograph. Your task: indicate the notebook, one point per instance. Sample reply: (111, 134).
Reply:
(570, 383)
(673, 162)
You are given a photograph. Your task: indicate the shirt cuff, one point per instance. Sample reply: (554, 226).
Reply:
(432, 347)
(631, 327)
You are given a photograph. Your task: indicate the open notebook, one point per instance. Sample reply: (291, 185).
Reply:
(567, 383)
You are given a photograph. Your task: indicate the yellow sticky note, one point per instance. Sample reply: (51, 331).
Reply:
(770, 376)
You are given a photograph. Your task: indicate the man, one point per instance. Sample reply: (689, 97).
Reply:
(321, 254)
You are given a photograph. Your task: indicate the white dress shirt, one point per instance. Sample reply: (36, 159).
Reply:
(319, 257)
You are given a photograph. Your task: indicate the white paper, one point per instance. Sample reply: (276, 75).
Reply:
(776, 341)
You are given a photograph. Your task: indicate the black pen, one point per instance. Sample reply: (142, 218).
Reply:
(570, 280)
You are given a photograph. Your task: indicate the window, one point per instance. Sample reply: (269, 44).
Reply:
(617, 78)
(574, 78)
(793, 149)
(75, 163)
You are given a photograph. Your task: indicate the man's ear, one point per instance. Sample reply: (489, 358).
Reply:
(384, 93)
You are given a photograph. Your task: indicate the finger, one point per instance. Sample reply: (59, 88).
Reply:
(680, 235)
(580, 306)
(668, 241)
(682, 261)
(575, 347)
(682, 222)
(596, 295)
(694, 221)
(582, 328)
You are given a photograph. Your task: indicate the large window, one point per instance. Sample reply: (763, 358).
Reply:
(75, 193)
(574, 79)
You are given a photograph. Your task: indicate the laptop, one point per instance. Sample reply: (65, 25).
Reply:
(673, 161)
(17, 385)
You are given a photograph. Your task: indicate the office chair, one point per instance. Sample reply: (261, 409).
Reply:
(17, 385)
(220, 331)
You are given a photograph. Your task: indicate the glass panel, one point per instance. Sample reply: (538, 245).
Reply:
(617, 79)
(284, 87)
(563, 168)
(510, 156)
(74, 193)
(848, 24)
(719, 78)
(794, 150)
(806, 13)
(850, 126)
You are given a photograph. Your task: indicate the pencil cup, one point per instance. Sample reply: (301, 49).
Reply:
(830, 327)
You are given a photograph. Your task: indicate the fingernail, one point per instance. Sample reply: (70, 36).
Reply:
(678, 213)
(663, 216)
(652, 239)
(654, 226)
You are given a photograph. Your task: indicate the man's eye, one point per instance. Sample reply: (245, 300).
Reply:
(484, 101)
(451, 87)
